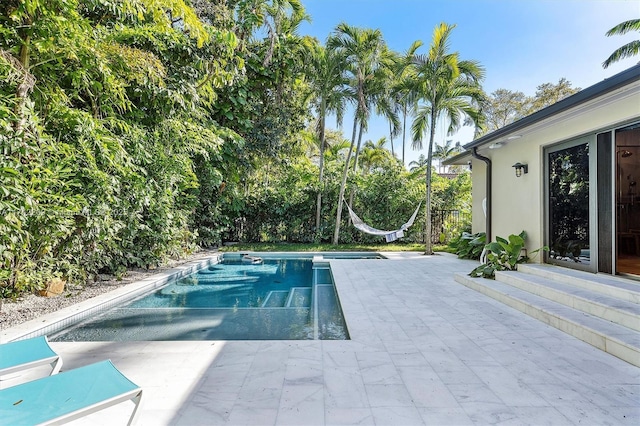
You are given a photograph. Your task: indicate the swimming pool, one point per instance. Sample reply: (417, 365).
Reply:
(279, 299)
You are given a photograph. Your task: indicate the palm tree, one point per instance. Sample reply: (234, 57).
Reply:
(446, 88)
(419, 163)
(373, 155)
(629, 49)
(402, 88)
(363, 51)
(442, 152)
(328, 85)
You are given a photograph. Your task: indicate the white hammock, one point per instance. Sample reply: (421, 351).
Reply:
(388, 235)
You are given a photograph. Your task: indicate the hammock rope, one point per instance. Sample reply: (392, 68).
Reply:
(389, 236)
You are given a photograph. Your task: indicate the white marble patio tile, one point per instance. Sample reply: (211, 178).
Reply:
(112, 415)
(253, 417)
(258, 398)
(302, 405)
(303, 375)
(381, 395)
(540, 416)
(377, 368)
(490, 413)
(444, 416)
(508, 388)
(339, 359)
(409, 359)
(455, 373)
(349, 416)
(426, 388)
(590, 414)
(406, 416)
(474, 393)
(203, 407)
(561, 394)
(344, 388)
(154, 418)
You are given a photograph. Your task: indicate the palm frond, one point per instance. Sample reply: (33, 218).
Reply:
(626, 51)
(624, 27)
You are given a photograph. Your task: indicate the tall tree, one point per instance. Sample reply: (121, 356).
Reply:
(403, 88)
(363, 51)
(628, 50)
(503, 107)
(548, 94)
(446, 88)
(328, 86)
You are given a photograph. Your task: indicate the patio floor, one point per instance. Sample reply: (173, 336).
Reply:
(423, 350)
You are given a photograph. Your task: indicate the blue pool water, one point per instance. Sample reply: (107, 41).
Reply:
(228, 301)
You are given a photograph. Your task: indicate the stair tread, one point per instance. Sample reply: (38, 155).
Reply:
(601, 279)
(583, 293)
(602, 326)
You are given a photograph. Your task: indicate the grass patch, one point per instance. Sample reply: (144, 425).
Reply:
(267, 247)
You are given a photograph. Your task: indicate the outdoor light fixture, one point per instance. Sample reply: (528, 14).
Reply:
(520, 169)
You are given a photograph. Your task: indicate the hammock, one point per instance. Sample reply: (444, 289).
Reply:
(388, 235)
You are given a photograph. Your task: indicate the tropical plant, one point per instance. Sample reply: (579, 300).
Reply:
(420, 163)
(447, 150)
(328, 87)
(364, 51)
(446, 87)
(628, 50)
(468, 245)
(502, 255)
(402, 85)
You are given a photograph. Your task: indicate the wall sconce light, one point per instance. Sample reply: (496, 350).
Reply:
(521, 169)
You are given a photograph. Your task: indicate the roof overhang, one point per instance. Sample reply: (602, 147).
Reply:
(515, 130)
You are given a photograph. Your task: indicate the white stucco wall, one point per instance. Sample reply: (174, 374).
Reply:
(518, 203)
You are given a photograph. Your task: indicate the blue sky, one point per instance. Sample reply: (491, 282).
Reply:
(521, 43)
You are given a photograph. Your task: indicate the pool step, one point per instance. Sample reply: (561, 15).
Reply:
(297, 297)
(275, 299)
(600, 310)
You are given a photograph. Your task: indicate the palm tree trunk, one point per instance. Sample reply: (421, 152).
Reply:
(27, 83)
(320, 179)
(428, 250)
(404, 130)
(391, 138)
(343, 184)
(357, 154)
(355, 164)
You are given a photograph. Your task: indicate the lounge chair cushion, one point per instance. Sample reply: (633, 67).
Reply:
(67, 396)
(28, 353)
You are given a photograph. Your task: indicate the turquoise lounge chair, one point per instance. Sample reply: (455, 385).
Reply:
(29, 353)
(68, 396)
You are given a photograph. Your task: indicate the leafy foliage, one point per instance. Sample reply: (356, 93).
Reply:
(502, 255)
(469, 246)
(136, 130)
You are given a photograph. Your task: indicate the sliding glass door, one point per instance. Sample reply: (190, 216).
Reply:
(568, 204)
(627, 169)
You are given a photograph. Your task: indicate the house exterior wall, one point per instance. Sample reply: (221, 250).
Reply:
(518, 203)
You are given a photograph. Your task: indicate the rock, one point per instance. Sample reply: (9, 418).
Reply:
(54, 287)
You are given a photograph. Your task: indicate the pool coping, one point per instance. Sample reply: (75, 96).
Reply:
(70, 315)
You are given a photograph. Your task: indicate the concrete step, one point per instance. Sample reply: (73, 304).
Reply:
(595, 303)
(612, 338)
(608, 285)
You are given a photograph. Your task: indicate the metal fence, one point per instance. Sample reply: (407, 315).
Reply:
(447, 224)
